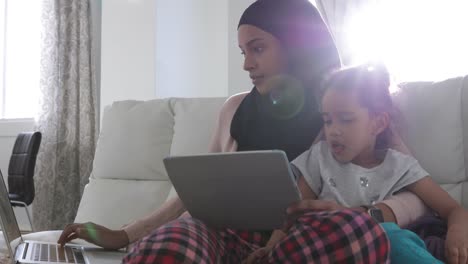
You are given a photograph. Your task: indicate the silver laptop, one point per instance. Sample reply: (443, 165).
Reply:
(24, 251)
(248, 190)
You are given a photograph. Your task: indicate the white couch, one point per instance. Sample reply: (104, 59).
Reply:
(129, 180)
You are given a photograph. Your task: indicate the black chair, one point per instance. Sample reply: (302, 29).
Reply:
(21, 170)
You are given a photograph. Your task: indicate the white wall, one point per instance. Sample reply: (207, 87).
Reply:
(239, 80)
(127, 50)
(162, 48)
(191, 48)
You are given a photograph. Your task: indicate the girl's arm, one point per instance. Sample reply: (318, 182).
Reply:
(306, 193)
(402, 208)
(278, 235)
(456, 245)
(304, 188)
(437, 199)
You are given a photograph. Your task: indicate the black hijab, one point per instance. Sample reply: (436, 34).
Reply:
(287, 118)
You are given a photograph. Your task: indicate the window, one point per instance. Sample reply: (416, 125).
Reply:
(418, 40)
(20, 46)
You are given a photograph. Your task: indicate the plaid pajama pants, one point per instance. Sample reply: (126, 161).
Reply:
(343, 236)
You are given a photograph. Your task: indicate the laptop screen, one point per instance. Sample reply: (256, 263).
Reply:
(10, 228)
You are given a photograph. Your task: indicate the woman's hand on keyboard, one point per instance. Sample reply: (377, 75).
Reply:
(96, 234)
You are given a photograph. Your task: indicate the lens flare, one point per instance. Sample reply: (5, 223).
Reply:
(286, 96)
(91, 231)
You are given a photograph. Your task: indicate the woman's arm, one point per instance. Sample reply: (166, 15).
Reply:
(116, 239)
(222, 140)
(173, 208)
(403, 208)
(169, 211)
(436, 198)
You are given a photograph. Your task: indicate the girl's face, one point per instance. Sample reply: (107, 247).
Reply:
(350, 129)
(263, 56)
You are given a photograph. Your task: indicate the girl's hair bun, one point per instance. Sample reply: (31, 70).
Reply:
(370, 81)
(376, 73)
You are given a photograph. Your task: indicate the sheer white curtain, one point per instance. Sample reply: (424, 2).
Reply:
(338, 14)
(68, 114)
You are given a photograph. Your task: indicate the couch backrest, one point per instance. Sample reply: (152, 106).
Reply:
(128, 173)
(435, 127)
(135, 136)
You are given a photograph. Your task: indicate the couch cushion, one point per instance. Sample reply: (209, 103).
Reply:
(432, 127)
(128, 172)
(114, 203)
(195, 120)
(135, 136)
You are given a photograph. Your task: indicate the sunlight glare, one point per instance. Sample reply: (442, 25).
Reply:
(415, 43)
(22, 73)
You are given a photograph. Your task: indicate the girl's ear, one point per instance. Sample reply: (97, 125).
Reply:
(381, 122)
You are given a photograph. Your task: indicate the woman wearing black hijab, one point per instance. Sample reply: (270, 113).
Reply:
(281, 112)
(287, 51)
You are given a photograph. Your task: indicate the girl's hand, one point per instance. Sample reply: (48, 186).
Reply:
(297, 209)
(257, 255)
(312, 205)
(456, 244)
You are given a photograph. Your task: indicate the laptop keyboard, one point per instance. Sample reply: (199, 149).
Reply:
(54, 253)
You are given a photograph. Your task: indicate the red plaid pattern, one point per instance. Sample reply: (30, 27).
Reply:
(316, 237)
(188, 240)
(344, 236)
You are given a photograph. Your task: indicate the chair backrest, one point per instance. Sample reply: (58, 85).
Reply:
(22, 164)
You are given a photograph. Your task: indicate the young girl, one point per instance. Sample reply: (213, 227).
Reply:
(354, 165)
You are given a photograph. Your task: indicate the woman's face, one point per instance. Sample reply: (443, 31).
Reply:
(263, 56)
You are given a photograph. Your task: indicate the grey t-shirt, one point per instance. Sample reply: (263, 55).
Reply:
(351, 185)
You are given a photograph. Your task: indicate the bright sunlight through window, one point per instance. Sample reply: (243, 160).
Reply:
(418, 40)
(19, 58)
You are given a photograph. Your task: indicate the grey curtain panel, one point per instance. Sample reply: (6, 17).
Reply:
(68, 116)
